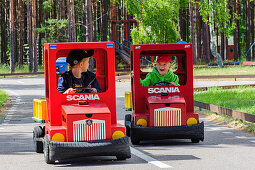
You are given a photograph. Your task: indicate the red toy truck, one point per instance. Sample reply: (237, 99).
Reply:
(163, 111)
(81, 124)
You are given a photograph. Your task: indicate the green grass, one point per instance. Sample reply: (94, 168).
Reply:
(240, 99)
(231, 70)
(3, 97)
(23, 69)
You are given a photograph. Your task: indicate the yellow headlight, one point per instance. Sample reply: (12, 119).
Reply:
(117, 134)
(58, 137)
(142, 122)
(191, 121)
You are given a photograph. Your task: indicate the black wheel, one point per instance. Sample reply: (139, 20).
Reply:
(121, 157)
(127, 124)
(195, 140)
(38, 133)
(47, 155)
(134, 140)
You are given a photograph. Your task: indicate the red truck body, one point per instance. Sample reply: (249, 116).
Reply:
(84, 119)
(162, 112)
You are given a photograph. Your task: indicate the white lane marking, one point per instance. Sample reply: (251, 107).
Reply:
(241, 137)
(227, 132)
(21, 82)
(12, 92)
(253, 141)
(149, 159)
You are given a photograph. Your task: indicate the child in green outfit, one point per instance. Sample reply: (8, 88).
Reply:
(161, 73)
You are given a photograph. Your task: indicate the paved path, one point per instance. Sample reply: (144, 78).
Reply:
(223, 148)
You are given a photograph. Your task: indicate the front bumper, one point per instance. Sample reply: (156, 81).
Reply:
(65, 150)
(168, 132)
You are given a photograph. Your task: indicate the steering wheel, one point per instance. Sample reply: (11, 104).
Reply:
(83, 90)
(163, 83)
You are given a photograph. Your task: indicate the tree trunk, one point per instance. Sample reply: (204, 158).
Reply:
(198, 30)
(3, 32)
(94, 18)
(62, 9)
(40, 36)
(226, 47)
(99, 20)
(236, 32)
(12, 30)
(34, 36)
(248, 31)
(252, 29)
(222, 48)
(69, 18)
(89, 21)
(30, 42)
(105, 19)
(192, 31)
(21, 31)
(182, 23)
(226, 39)
(15, 42)
(73, 27)
(84, 22)
(187, 25)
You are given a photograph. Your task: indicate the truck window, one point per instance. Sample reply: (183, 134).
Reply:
(147, 63)
(63, 70)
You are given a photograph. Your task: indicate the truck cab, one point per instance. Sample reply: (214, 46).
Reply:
(81, 124)
(163, 111)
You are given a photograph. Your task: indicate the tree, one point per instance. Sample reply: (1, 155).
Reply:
(198, 30)
(30, 41)
(34, 35)
(236, 31)
(21, 30)
(192, 31)
(220, 16)
(105, 19)
(156, 20)
(184, 8)
(52, 28)
(89, 21)
(12, 37)
(248, 30)
(4, 40)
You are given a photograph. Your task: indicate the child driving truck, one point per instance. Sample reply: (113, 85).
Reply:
(161, 74)
(78, 77)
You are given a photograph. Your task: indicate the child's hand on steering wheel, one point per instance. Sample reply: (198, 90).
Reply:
(93, 90)
(69, 91)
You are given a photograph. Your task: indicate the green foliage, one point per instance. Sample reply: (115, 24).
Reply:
(47, 5)
(156, 20)
(220, 15)
(54, 30)
(3, 97)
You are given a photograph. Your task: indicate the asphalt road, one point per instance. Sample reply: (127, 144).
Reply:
(223, 148)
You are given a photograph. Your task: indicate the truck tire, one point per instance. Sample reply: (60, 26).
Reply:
(38, 133)
(127, 119)
(195, 140)
(134, 140)
(47, 155)
(121, 157)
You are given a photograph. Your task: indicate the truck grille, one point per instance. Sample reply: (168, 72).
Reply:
(167, 116)
(89, 130)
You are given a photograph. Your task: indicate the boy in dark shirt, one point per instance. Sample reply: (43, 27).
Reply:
(78, 76)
